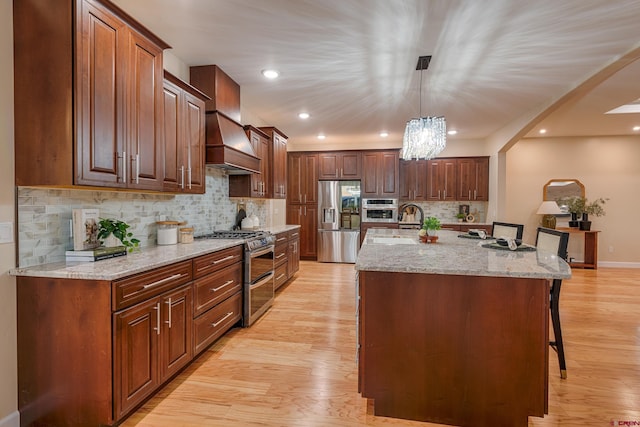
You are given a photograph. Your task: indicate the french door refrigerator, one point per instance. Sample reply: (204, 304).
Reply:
(338, 221)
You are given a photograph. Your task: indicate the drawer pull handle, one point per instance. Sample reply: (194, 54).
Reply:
(280, 256)
(294, 235)
(160, 282)
(227, 258)
(157, 309)
(281, 239)
(227, 283)
(229, 314)
(170, 307)
(279, 277)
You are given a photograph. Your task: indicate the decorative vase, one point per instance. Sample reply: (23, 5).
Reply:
(585, 225)
(585, 216)
(432, 232)
(424, 238)
(112, 241)
(432, 239)
(574, 220)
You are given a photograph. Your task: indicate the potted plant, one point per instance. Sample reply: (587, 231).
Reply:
(575, 206)
(431, 225)
(461, 217)
(108, 227)
(594, 208)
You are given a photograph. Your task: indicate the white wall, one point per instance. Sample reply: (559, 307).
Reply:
(8, 360)
(608, 167)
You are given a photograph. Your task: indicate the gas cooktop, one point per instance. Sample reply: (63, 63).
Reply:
(253, 239)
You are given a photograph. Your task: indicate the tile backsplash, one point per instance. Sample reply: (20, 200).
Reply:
(44, 214)
(446, 211)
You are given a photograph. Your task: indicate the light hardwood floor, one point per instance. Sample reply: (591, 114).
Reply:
(296, 365)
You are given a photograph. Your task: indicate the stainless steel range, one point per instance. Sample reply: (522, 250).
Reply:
(259, 284)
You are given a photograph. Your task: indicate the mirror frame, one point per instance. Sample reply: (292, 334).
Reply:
(546, 186)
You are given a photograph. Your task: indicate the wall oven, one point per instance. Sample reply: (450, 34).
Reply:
(379, 210)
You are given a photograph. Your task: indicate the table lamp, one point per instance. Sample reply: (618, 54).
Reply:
(549, 209)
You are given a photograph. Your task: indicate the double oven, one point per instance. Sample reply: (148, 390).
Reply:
(259, 282)
(380, 210)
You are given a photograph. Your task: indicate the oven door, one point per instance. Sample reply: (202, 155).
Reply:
(259, 287)
(381, 214)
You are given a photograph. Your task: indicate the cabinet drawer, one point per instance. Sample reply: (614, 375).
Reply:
(280, 252)
(210, 290)
(294, 234)
(280, 275)
(215, 322)
(215, 261)
(134, 289)
(282, 237)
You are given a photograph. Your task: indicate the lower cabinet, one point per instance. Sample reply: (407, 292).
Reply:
(91, 351)
(286, 256)
(294, 253)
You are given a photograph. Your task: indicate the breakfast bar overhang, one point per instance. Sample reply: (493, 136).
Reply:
(453, 332)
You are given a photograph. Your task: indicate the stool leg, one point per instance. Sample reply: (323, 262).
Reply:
(555, 319)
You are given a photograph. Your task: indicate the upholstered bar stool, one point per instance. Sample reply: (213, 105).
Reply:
(507, 230)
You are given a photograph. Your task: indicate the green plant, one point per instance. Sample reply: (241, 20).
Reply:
(461, 216)
(574, 204)
(118, 228)
(431, 223)
(595, 208)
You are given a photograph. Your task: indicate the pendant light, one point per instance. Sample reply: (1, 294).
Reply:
(424, 137)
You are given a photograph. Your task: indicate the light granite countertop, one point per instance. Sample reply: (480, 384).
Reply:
(138, 261)
(401, 251)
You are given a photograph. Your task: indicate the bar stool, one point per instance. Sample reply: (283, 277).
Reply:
(507, 230)
(555, 241)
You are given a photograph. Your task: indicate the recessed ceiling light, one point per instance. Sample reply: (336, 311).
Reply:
(321, 136)
(304, 116)
(270, 74)
(636, 128)
(542, 131)
(384, 134)
(452, 132)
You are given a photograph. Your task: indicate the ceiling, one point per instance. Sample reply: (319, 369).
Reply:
(351, 63)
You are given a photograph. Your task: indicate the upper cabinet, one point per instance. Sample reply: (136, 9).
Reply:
(473, 178)
(278, 161)
(184, 138)
(256, 185)
(441, 179)
(380, 174)
(99, 74)
(413, 180)
(343, 165)
(302, 178)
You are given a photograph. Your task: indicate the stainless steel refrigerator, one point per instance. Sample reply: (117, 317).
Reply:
(338, 221)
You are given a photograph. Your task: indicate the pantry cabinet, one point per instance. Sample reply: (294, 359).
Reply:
(184, 136)
(99, 74)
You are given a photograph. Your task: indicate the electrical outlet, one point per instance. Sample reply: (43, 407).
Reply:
(242, 206)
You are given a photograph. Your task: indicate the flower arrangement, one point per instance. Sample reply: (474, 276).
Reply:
(108, 226)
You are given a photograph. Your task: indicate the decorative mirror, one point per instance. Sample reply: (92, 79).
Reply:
(558, 189)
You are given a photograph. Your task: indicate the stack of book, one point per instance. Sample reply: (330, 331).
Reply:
(96, 254)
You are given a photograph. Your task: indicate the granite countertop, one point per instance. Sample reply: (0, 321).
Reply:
(401, 251)
(138, 261)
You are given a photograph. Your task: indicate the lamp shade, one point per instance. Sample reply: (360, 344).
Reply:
(549, 207)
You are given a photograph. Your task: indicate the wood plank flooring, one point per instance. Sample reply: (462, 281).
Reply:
(296, 365)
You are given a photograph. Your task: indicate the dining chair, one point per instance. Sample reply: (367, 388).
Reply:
(555, 242)
(509, 231)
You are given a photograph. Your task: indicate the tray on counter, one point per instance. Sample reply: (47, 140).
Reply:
(522, 248)
(471, 236)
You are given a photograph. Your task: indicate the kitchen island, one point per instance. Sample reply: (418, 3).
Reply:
(454, 332)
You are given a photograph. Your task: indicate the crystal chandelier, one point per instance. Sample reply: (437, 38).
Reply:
(424, 137)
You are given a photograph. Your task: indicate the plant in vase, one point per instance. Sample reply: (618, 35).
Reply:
(108, 228)
(575, 206)
(431, 224)
(595, 208)
(461, 217)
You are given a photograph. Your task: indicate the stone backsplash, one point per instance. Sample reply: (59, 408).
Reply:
(44, 214)
(446, 211)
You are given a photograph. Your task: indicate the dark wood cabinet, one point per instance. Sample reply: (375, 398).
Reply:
(307, 217)
(473, 178)
(302, 178)
(278, 162)
(380, 177)
(294, 253)
(184, 137)
(335, 165)
(101, 74)
(413, 180)
(255, 185)
(442, 179)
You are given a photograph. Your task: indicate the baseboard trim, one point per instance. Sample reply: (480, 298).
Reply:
(11, 420)
(612, 264)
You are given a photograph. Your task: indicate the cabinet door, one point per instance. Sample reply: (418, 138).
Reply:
(306, 217)
(145, 114)
(174, 173)
(295, 169)
(302, 178)
(380, 174)
(137, 330)
(482, 179)
(194, 143)
(413, 180)
(100, 98)
(473, 179)
(328, 166)
(441, 180)
(294, 256)
(350, 165)
(279, 166)
(176, 349)
(261, 183)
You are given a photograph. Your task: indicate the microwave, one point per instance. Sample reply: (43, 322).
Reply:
(379, 210)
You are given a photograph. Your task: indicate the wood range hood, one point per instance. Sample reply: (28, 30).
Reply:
(227, 145)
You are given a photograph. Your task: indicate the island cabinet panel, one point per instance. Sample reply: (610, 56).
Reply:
(101, 75)
(344, 165)
(458, 350)
(380, 174)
